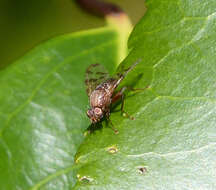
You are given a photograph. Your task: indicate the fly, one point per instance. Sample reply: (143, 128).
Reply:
(101, 91)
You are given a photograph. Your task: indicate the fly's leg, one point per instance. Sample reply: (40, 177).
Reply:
(119, 95)
(112, 126)
(124, 113)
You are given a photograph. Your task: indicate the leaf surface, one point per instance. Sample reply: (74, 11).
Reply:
(171, 144)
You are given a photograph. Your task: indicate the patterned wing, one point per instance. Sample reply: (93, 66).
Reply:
(95, 75)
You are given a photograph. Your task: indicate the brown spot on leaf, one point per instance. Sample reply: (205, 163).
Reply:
(84, 179)
(142, 170)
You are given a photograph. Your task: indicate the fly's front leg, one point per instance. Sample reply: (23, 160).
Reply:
(112, 126)
(119, 95)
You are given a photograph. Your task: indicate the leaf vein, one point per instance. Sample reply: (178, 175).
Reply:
(196, 150)
(188, 98)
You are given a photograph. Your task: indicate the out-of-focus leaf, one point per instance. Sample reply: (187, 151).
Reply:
(43, 104)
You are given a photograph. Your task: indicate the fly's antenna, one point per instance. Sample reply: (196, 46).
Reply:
(122, 76)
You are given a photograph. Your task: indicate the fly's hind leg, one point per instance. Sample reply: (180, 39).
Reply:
(124, 113)
(119, 95)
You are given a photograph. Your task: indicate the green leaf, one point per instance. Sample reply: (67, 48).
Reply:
(43, 109)
(171, 144)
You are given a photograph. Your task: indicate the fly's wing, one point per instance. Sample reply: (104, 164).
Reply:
(95, 75)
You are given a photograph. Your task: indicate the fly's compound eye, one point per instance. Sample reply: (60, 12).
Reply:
(89, 113)
(98, 111)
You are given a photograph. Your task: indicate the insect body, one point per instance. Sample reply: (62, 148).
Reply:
(100, 100)
(100, 89)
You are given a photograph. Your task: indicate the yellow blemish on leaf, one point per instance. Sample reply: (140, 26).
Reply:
(112, 149)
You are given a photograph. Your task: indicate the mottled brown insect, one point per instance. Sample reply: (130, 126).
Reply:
(100, 89)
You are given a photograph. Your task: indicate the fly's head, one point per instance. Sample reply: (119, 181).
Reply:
(95, 114)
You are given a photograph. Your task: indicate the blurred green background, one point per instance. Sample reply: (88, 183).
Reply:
(25, 23)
